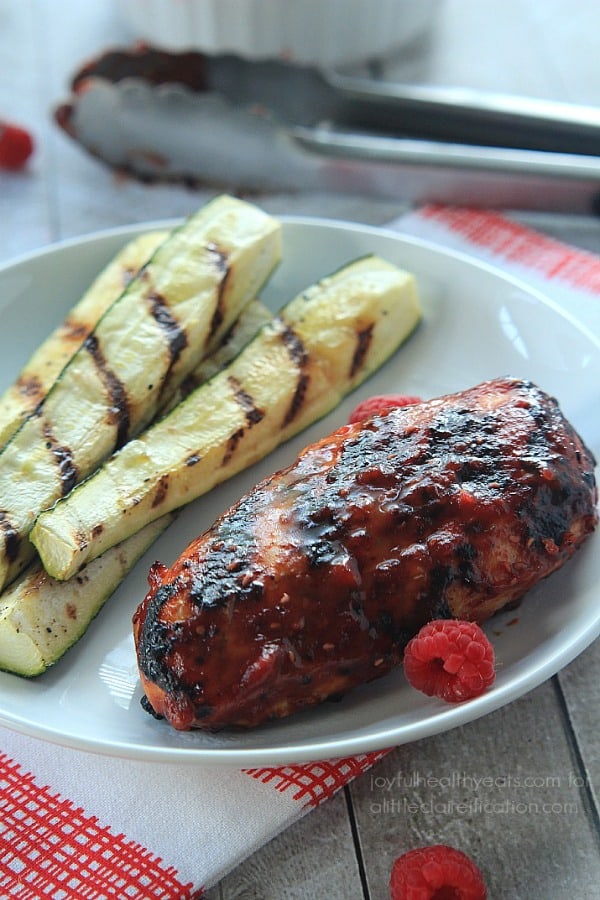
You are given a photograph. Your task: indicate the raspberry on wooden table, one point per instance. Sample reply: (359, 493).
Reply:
(438, 872)
(450, 659)
(379, 405)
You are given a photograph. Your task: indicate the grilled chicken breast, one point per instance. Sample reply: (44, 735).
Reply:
(315, 581)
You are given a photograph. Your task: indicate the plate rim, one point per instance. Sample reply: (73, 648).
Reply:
(131, 230)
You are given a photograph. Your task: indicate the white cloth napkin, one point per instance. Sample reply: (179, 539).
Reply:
(76, 825)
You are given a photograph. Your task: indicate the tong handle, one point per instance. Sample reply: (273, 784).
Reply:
(465, 116)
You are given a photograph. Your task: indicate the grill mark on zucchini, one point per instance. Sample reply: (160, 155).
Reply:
(232, 444)
(11, 537)
(188, 384)
(75, 330)
(363, 342)
(299, 357)
(252, 413)
(30, 386)
(63, 456)
(219, 258)
(238, 331)
(128, 273)
(118, 414)
(174, 333)
(162, 489)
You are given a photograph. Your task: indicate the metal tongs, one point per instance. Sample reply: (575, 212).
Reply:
(272, 125)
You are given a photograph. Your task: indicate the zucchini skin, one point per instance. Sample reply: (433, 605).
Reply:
(321, 346)
(38, 375)
(41, 618)
(173, 313)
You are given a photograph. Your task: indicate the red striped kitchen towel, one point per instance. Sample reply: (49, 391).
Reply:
(76, 825)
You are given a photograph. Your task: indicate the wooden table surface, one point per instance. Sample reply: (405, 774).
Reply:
(533, 822)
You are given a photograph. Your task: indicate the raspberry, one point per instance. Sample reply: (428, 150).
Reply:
(450, 659)
(436, 873)
(16, 146)
(379, 405)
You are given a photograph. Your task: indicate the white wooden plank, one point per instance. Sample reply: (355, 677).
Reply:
(311, 860)
(24, 219)
(580, 684)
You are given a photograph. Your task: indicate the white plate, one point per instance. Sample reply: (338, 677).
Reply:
(478, 324)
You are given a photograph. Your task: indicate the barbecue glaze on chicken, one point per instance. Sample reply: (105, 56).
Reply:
(314, 581)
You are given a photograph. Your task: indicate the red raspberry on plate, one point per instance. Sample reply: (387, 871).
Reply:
(438, 872)
(380, 404)
(450, 659)
(16, 146)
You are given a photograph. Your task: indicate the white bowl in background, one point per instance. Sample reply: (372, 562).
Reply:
(313, 32)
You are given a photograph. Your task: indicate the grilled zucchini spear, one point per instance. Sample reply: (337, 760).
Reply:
(40, 618)
(38, 375)
(297, 368)
(174, 312)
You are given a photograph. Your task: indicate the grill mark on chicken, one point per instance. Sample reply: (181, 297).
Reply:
(154, 655)
(299, 357)
(118, 411)
(63, 456)
(315, 581)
